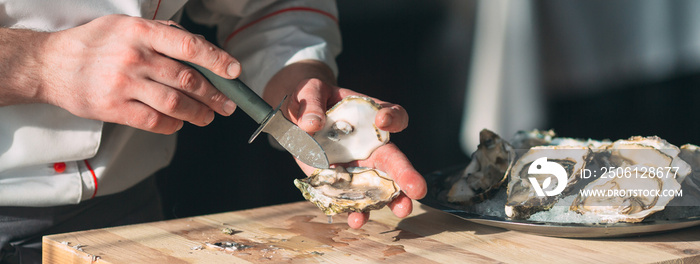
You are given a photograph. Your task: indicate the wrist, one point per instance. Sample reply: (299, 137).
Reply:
(21, 68)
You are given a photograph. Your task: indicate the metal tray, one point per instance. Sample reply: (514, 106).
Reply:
(569, 230)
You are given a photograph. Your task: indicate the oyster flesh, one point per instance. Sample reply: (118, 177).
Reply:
(354, 189)
(524, 198)
(349, 132)
(627, 192)
(486, 172)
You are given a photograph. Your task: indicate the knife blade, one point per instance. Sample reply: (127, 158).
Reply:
(292, 138)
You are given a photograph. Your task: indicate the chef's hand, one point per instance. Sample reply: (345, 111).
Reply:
(306, 107)
(119, 69)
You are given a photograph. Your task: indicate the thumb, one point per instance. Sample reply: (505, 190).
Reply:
(308, 106)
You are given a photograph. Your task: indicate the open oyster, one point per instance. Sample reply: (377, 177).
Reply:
(349, 133)
(485, 173)
(523, 197)
(628, 192)
(354, 189)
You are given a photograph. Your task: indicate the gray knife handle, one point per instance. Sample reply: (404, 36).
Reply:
(238, 92)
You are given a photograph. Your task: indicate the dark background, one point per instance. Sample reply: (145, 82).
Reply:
(413, 53)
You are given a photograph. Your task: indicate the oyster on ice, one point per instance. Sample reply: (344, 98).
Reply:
(522, 197)
(354, 189)
(486, 172)
(630, 193)
(349, 133)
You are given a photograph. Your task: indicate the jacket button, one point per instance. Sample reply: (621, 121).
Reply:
(59, 167)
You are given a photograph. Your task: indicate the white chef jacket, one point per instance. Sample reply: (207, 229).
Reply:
(105, 158)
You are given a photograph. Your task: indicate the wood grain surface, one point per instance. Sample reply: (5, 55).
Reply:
(300, 233)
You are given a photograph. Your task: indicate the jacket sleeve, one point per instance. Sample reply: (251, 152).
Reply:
(267, 35)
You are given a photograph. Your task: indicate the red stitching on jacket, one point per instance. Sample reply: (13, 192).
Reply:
(94, 178)
(156, 13)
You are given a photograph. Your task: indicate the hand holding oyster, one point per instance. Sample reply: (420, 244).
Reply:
(361, 152)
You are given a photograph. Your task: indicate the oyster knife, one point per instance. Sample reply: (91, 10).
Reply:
(296, 141)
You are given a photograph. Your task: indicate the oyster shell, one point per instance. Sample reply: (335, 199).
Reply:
(691, 154)
(527, 139)
(632, 196)
(349, 132)
(523, 199)
(595, 145)
(652, 151)
(691, 185)
(354, 189)
(485, 173)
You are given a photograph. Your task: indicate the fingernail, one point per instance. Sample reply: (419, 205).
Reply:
(180, 126)
(234, 69)
(229, 107)
(386, 122)
(209, 118)
(311, 119)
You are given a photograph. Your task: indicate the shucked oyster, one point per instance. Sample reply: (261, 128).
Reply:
(628, 191)
(349, 134)
(629, 202)
(486, 172)
(353, 190)
(527, 175)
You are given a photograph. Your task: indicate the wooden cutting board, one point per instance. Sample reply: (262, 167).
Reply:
(299, 233)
